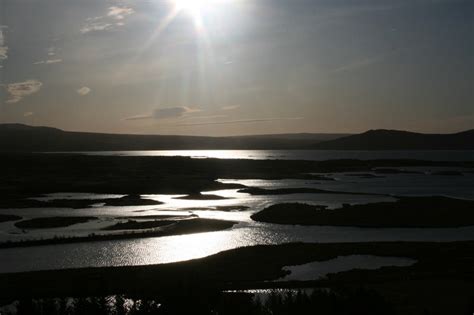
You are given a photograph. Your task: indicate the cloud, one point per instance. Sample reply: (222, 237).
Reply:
(17, 91)
(83, 91)
(244, 121)
(96, 26)
(51, 51)
(232, 107)
(3, 46)
(113, 18)
(28, 114)
(166, 113)
(3, 52)
(119, 13)
(47, 62)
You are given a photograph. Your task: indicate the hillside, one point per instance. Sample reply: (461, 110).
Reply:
(400, 140)
(18, 137)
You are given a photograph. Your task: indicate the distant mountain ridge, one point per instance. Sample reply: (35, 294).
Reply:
(19, 137)
(382, 139)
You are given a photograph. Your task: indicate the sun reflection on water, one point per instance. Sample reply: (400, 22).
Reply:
(185, 247)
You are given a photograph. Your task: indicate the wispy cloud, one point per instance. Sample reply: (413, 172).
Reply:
(47, 62)
(112, 19)
(231, 107)
(96, 26)
(3, 46)
(119, 13)
(51, 51)
(83, 90)
(28, 114)
(17, 91)
(243, 121)
(166, 113)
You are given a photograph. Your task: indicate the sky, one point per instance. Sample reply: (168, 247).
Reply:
(232, 67)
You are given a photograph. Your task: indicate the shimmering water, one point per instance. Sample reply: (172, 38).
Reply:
(314, 155)
(177, 248)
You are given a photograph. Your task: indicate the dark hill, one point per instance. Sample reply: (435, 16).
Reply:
(18, 137)
(400, 140)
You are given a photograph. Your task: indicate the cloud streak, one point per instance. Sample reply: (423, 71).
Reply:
(119, 13)
(231, 107)
(48, 62)
(243, 121)
(83, 91)
(17, 91)
(112, 19)
(3, 46)
(166, 113)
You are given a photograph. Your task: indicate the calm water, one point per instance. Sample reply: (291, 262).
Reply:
(246, 233)
(314, 155)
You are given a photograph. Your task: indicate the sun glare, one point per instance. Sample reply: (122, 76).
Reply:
(197, 9)
(194, 6)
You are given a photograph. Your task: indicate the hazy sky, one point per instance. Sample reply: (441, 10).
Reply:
(224, 67)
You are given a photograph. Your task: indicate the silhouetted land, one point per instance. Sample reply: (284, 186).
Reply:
(138, 225)
(157, 217)
(441, 281)
(289, 191)
(8, 217)
(176, 227)
(16, 201)
(17, 137)
(202, 197)
(337, 301)
(394, 171)
(365, 175)
(441, 268)
(448, 173)
(426, 212)
(32, 175)
(400, 140)
(130, 200)
(52, 222)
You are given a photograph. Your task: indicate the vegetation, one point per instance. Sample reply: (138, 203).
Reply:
(178, 227)
(287, 191)
(405, 212)
(8, 217)
(138, 225)
(441, 282)
(200, 196)
(22, 202)
(338, 301)
(31, 175)
(52, 222)
(130, 200)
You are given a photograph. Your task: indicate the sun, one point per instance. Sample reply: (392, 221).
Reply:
(194, 6)
(198, 9)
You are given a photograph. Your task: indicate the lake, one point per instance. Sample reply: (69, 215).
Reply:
(312, 155)
(155, 250)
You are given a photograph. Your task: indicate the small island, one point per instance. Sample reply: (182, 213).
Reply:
(408, 212)
(52, 222)
(8, 217)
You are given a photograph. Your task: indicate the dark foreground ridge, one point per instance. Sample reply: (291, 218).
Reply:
(440, 268)
(422, 212)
